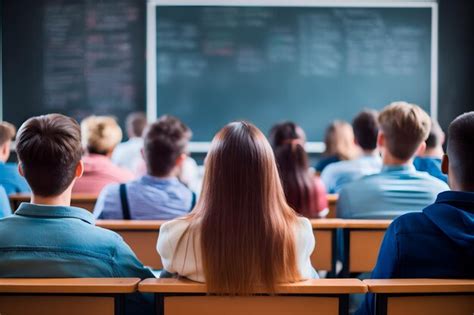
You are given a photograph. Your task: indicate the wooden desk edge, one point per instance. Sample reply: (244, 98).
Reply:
(316, 286)
(419, 285)
(69, 285)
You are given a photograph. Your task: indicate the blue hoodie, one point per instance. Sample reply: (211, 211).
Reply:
(436, 243)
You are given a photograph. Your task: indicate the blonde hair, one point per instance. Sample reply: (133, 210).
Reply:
(405, 127)
(100, 134)
(339, 140)
(7, 132)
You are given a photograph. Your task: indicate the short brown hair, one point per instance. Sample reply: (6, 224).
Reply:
(366, 129)
(405, 127)
(165, 140)
(136, 123)
(100, 134)
(7, 132)
(436, 135)
(49, 149)
(460, 149)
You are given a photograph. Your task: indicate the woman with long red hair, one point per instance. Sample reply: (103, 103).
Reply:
(242, 233)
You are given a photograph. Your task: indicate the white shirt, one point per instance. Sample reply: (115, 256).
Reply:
(128, 154)
(336, 175)
(187, 259)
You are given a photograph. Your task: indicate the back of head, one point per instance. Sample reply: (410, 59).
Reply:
(292, 160)
(405, 126)
(366, 129)
(460, 150)
(435, 137)
(7, 132)
(245, 224)
(100, 134)
(339, 140)
(165, 140)
(49, 149)
(136, 123)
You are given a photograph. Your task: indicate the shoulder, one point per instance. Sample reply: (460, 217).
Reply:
(432, 181)
(413, 222)
(174, 228)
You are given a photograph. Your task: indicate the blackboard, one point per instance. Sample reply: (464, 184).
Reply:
(267, 64)
(76, 57)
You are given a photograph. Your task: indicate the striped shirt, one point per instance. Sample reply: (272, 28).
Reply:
(149, 198)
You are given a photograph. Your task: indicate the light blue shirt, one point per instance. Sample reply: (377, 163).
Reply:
(431, 165)
(149, 198)
(5, 209)
(336, 175)
(396, 190)
(62, 242)
(11, 180)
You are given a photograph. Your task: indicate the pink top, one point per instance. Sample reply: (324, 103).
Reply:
(99, 171)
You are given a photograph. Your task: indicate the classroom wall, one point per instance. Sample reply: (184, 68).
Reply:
(456, 48)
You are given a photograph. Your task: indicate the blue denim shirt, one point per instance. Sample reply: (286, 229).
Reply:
(11, 180)
(396, 190)
(56, 241)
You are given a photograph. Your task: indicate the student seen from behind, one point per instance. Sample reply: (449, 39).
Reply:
(100, 135)
(439, 241)
(399, 188)
(10, 179)
(430, 160)
(303, 190)
(5, 209)
(339, 142)
(158, 195)
(336, 175)
(50, 238)
(241, 233)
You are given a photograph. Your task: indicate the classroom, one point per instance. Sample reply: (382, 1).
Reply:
(241, 157)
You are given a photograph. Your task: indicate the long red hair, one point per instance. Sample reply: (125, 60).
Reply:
(246, 227)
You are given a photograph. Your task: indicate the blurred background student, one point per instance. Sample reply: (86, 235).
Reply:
(339, 142)
(128, 154)
(158, 195)
(366, 128)
(10, 178)
(5, 209)
(430, 160)
(100, 136)
(242, 211)
(304, 191)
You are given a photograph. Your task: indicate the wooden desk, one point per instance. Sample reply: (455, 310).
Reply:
(141, 236)
(327, 296)
(84, 201)
(94, 296)
(324, 255)
(332, 203)
(423, 296)
(362, 240)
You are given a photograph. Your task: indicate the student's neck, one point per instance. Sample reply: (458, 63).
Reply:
(436, 152)
(61, 200)
(370, 152)
(390, 160)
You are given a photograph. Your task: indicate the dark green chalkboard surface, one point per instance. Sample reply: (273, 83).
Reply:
(267, 64)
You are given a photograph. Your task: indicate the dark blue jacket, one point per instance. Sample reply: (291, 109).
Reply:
(435, 243)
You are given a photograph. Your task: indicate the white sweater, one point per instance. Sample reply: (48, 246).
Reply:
(187, 260)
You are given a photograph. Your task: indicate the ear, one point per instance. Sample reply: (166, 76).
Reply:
(20, 170)
(421, 149)
(180, 160)
(79, 169)
(381, 140)
(445, 164)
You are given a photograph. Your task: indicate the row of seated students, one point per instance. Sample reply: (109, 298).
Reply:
(242, 210)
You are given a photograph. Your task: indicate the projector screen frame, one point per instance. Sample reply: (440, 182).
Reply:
(311, 147)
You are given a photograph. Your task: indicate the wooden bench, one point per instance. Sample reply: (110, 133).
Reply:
(92, 296)
(141, 236)
(332, 205)
(322, 296)
(84, 201)
(362, 240)
(325, 232)
(422, 296)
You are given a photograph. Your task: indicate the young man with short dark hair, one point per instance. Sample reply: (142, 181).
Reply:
(338, 174)
(10, 179)
(158, 195)
(430, 160)
(439, 241)
(48, 237)
(398, 188)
